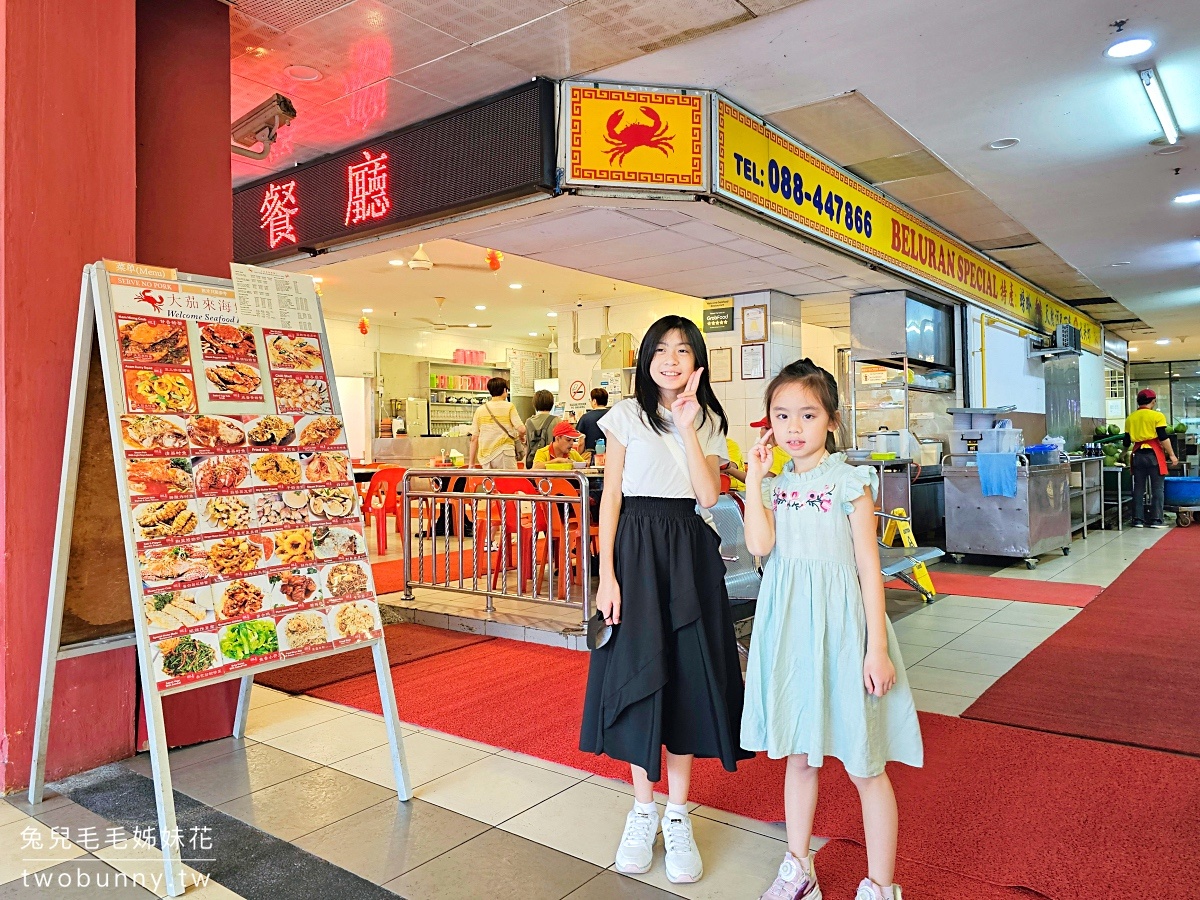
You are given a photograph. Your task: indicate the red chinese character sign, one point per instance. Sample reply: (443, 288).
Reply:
(279, 207)
(367, 189)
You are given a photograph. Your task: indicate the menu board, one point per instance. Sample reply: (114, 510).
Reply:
(235, 467)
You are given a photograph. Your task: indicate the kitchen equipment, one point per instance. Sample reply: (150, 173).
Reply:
(977, 418)
(416, 415)
(1001, 440)
(930, 453)
(398, 426)
(885, 442)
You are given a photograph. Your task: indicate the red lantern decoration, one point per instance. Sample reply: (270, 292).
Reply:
(364, 325)
(494, 259)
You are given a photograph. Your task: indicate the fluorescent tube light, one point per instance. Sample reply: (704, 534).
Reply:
(1158, 100)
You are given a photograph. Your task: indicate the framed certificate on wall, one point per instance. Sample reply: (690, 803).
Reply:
(754, 357)
(754, 324)
(720, 364)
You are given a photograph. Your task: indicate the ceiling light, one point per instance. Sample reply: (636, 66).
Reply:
(481, 307)
(368, 310)
(395, 262)
(1167, 151)
(317, 280)
(552, 315)
(472, 325)
(1129, 47)
(420, 260)
(1189, 197)
(1163, 342)
(533, 334)
(1162, 106)
(302, 73)
(1004, 143)
(1126, 263)
(516, 285)
(1133, 349)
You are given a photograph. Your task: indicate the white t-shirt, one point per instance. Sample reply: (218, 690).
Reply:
(651, 469)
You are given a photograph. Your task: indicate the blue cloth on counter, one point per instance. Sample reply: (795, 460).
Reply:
(998, 474)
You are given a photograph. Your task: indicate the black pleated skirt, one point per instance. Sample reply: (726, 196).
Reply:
(669, 676)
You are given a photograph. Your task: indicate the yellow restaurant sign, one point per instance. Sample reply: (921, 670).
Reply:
(636, 137)
(760, 167)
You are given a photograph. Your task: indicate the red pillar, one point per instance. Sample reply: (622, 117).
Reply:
(67, 115)
(185, 212)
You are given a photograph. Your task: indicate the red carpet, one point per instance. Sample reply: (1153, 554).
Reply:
(1000, 588)
(1006, 806)
(405, 643)
(841, 865)
(389, 575)
(1125, 670)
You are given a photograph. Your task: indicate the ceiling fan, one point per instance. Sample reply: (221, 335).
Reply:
(420, 262)
(439, 324)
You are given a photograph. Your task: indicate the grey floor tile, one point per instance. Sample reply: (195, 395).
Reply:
(1036, 614)
(923, 637)
(611, 886)
(1013, 632)
(386, 840)
(82, 826)
(939, 609)
(302, 805)
(981, 643)
(928, 620)
(953, 601)
(962, 661)
(78, 878)
(50, 799)
(945, 704)
(237, 774)
(949, 681)
(499, 866)
(190, 756)
(914, 653)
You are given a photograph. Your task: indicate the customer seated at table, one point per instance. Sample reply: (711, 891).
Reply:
(539, 428)
(736, 467)
(561, 449)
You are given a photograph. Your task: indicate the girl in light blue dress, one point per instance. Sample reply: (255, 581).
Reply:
(825, 676)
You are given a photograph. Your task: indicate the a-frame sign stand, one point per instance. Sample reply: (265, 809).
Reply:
(95, 331)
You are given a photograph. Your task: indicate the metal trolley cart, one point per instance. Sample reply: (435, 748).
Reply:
(1036, 521)
(1182, 496)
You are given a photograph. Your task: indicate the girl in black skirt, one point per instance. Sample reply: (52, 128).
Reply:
(669, 676)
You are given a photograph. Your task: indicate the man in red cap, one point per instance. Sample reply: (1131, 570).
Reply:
(560, 449)
(1146, 430)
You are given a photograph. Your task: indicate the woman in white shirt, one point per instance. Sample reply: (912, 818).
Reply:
(669, 676)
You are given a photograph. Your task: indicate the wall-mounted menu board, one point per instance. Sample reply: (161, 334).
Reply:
(234, 471)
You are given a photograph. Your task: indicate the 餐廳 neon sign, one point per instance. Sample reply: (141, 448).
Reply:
(367, 189)
(279, 207)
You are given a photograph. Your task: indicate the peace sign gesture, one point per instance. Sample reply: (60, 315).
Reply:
(686, 407)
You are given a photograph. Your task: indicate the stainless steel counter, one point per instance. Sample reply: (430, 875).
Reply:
(415, 452)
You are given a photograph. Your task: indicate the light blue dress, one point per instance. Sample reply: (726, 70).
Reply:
(804, 680)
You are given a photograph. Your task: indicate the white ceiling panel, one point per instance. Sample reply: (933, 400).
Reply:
(554, 231)
(660, 242)
(455, 78)
(710, 234)
(665, 216)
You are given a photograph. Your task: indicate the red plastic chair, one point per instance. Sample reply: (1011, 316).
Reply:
(382, 498)
(506, 515)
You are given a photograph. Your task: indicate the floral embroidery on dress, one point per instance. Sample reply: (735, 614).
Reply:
(822, 499)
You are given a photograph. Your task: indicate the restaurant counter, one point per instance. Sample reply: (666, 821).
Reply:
(413, 452)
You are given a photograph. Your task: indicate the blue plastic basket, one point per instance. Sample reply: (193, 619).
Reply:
(1181, 491)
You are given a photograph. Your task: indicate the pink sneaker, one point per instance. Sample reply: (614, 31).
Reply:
(797, 880)
(869, 890)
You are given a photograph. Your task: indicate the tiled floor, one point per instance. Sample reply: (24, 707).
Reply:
(486, 822)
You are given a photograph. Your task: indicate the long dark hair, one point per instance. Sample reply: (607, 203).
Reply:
(822, 384)
(647, 392)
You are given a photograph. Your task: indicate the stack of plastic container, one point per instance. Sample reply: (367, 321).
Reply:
(981, 430)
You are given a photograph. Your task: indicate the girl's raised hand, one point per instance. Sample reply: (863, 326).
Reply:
(686, 406)
(760, 458)
(879, 675)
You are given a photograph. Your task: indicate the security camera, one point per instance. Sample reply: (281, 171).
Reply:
(261, 126)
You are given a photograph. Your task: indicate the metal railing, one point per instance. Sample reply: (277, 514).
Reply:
(520, 521)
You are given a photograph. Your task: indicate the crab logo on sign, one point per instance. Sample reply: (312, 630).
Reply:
(637, 134)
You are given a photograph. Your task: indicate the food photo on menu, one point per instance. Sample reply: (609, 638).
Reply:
(276, 469)
(347, 580)
(159, 391)
(162, 568)
(294, 351)
(338, 542)
(293, 546)
(222, 341)
(281, 508)
(186, 656)
(295, 587)
(247, 639)
(326, 467)
(332, 502)
(154, 433)
(170, 611)
(321, 431)
(233, 381)
(354, 620)
(239, 554)
(225, 513)
(216, 432)
(271, 431)
(162, 519)
(241, 597)
(145, 340)
(301, 395)
(220, 474)
(160, 476)
(304, 630)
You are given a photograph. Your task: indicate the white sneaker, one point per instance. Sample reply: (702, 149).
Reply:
(869, 890)
(636, 852)
(683, 859)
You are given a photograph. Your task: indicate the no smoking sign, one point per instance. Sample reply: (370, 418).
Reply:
(577, 389)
